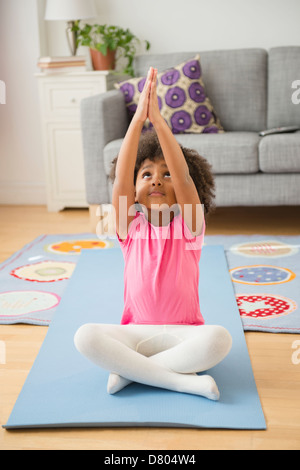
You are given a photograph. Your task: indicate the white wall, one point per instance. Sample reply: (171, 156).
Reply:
(22, 179)
(170, 25)
(188, 25)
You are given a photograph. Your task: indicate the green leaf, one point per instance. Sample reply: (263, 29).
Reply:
(86, 42)
(87, 29)
(113, 45)
(103, 49)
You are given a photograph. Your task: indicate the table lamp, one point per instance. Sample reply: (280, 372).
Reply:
(70, 11)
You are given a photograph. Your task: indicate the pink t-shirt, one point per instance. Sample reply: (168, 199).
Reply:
(161, 273)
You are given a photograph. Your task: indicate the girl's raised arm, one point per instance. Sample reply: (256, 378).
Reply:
(124, 180)
(184, 187)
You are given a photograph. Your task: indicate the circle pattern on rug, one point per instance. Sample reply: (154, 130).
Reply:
(45, 271)
(264, 306)
(265, 249)
(17, 303)
(262, 275)
(74, 247)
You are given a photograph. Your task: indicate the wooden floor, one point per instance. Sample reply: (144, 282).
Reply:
(277, 378)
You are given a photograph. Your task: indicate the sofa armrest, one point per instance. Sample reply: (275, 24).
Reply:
(103, 119)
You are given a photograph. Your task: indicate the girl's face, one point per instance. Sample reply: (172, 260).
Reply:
(154, 184)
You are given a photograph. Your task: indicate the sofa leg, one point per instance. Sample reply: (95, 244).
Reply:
(102, 219)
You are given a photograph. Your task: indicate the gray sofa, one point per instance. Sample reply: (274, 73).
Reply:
(251, 90)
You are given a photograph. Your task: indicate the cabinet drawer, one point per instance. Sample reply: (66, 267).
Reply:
(64, 99)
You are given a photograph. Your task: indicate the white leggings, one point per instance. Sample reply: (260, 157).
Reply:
(165, 356)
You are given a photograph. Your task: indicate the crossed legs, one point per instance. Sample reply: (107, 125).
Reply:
(165, 356)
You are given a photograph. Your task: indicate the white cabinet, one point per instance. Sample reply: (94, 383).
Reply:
(60, 97)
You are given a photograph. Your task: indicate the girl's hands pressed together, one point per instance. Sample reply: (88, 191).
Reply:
(154, 111)
(141, 113)
(148, 106)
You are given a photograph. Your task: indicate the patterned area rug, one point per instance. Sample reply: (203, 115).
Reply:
(265, 271)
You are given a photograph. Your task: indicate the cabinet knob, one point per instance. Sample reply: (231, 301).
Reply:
(73, 100)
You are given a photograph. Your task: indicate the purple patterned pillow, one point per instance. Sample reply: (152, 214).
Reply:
(182, 99)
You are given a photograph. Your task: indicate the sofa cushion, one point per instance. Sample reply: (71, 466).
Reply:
(280, 153)
(182, 99)
(258, 190)
(284, 70)
(235, 81)
(231, 152)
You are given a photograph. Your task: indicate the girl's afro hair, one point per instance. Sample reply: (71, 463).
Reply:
(199, 168)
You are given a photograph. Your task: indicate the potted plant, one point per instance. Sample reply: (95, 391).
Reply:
(105, 41)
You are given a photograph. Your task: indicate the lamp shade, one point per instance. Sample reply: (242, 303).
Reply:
(70, 10)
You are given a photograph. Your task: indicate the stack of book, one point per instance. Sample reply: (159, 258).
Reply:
(62, 64)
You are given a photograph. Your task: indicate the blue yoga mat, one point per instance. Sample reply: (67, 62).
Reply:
(63, 389)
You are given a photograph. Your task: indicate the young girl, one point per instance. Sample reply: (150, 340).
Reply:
(162, 340)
